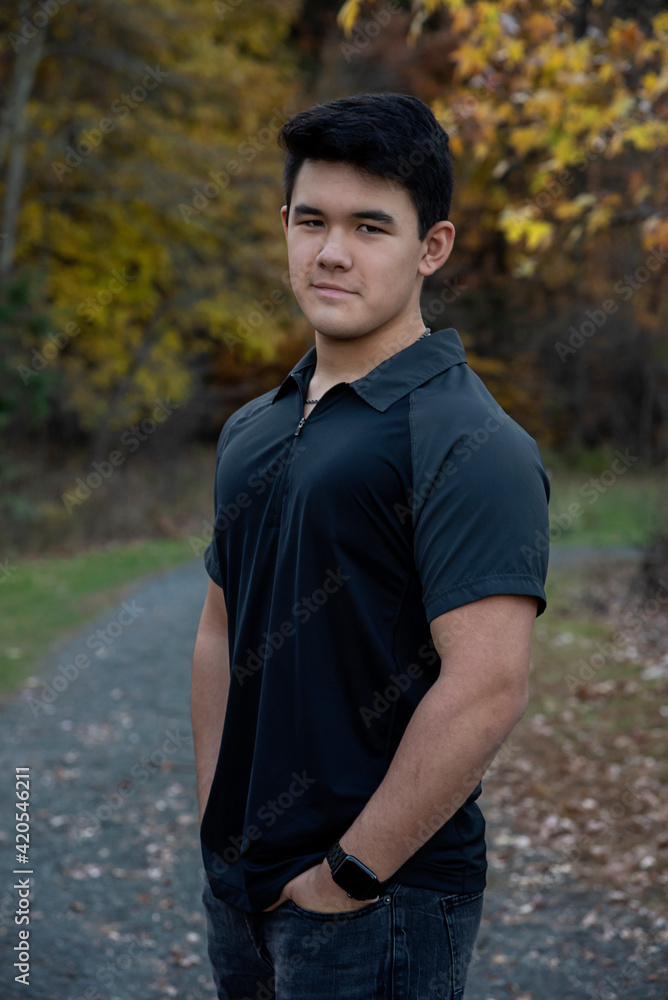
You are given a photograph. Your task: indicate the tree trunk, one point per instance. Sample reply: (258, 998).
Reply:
(13, 138)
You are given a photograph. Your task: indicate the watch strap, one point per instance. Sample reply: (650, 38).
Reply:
(335, 858)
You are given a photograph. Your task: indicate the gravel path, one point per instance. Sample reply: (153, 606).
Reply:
(115, 908)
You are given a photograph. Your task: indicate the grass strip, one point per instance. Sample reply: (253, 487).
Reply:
(45, 599)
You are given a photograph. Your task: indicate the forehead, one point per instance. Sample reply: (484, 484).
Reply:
(341, 187)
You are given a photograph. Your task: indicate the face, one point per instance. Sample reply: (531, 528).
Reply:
(356, 263)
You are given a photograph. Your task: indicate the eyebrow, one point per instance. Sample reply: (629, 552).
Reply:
(370, 213)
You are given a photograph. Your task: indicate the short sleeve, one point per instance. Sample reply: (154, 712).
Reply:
(211, 562)
(480, 515)
(211, 554)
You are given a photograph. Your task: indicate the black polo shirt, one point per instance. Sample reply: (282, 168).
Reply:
(337, 540)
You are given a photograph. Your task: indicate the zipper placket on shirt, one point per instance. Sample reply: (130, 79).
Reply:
(288, 461)
(293, 444)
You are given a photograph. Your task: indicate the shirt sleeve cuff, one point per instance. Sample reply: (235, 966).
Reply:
(474, 590)
(212, 566)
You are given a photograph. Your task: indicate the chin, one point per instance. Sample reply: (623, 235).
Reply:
(340, 327)
(339, 332)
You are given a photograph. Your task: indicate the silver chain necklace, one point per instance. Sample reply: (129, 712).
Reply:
(425, 334)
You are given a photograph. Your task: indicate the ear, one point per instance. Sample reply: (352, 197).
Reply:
(284, 219)
(437, 247)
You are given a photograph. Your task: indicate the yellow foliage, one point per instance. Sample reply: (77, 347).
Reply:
(654, 233)
(155, 240)
(625, 35)
(515, 49)
(647, 136)
(598, 218)
(566, 211)
(519, 225)
(526, 138)
(525, 267)
(557, 111)
(348, 15)
(607, 72)
(660, 26)
(462, 18)
(456, 145)
(538, 234)
(538, 26)
(652, 83)
(470, 59)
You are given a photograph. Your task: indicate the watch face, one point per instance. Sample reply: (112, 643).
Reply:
(356, 879)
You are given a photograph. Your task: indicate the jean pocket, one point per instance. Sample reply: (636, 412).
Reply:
(372, 907)
(462, 914)
(207, 892)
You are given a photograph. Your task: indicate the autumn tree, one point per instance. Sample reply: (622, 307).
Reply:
(557, 113)
(139, 199)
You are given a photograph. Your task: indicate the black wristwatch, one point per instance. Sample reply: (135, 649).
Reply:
(353, 876)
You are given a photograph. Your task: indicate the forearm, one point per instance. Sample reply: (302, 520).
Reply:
(208, 703)
(450, 741)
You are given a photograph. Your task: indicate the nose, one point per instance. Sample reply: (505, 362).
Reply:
(334, 252)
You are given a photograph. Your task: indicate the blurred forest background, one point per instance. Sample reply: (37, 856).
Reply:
(144, 297)
(143, 285)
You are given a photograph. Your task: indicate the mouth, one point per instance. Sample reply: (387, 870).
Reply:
(333, 291)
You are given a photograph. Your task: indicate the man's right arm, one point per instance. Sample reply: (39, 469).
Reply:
(209, 689)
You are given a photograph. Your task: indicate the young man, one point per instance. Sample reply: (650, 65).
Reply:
(364, 645)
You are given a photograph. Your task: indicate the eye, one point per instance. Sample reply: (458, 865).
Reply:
(371, 229)
(311, 222)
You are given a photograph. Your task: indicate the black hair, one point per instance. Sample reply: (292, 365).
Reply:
(394, 136)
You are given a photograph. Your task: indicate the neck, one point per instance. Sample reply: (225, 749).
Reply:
(350, 359)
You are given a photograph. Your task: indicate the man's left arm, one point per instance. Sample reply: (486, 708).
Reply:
(451, 739)
(454, 733)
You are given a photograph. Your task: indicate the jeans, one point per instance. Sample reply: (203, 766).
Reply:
(410, 944)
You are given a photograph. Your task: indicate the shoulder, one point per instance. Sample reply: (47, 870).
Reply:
(454, 407)
(245, 414)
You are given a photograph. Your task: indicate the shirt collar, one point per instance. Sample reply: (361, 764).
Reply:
(396, 375)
